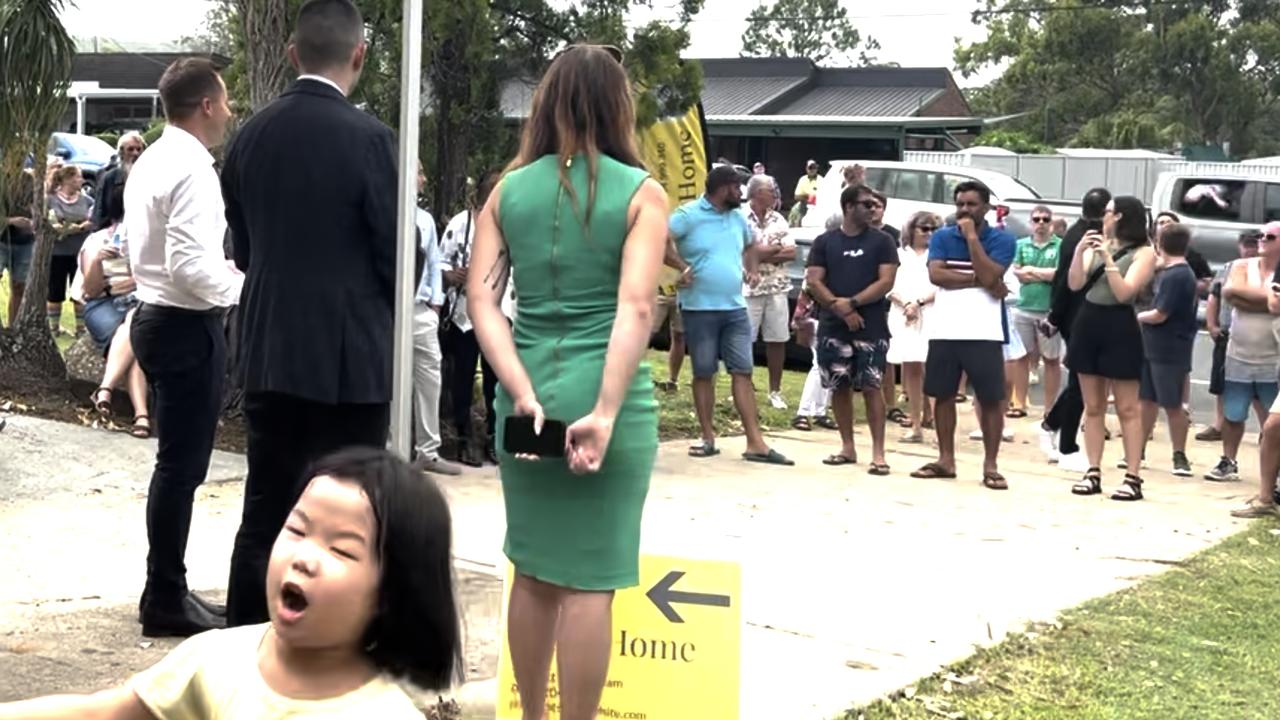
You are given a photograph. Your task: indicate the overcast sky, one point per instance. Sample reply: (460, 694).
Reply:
(913, 33)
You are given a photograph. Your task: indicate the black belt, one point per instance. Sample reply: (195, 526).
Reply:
(173, 311)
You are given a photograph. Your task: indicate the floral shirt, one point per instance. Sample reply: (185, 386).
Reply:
(772, 229)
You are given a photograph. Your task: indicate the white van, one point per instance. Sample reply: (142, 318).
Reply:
(1245, 201)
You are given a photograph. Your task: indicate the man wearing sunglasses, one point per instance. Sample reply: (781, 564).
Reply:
(1035, 262)
(1253, 351)
(1265, 505)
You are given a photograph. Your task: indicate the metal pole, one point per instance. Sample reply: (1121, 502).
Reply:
(80, 115)
(406, 216)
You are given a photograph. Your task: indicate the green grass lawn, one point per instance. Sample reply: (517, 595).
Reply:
(676, 414)
(1199, 641)
(68, 315)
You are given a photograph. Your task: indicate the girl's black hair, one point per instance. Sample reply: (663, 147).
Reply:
(415, 632)
(1131, 229)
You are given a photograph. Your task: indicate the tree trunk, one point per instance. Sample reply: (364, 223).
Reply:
(29, 358)
(266, 34)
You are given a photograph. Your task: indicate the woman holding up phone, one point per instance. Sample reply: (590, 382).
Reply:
(582, 229)
(1111, 268)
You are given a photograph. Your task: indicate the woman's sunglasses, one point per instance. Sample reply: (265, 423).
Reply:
(1272, 237)
(926, 228)
(613, 51)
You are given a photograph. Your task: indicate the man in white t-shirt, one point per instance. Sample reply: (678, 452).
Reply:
(968, 328)
(457, 336)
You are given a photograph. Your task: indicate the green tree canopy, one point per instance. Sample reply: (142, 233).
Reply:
(819, 30)
(1132, 74)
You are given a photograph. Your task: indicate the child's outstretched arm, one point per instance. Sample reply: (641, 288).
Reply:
(116, 704)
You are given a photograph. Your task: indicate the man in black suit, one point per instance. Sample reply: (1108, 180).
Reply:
(310, 185)
(1064, 417)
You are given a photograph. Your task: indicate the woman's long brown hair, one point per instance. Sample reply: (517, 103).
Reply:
(582, 106)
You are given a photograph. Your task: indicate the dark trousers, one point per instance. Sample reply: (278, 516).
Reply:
(183, 354)
(1065, 415)
(462, 351)
(286, 434)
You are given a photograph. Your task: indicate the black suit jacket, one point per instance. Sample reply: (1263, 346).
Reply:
(1064, 303)
(310, 186)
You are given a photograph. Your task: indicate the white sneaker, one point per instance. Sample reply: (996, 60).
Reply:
(1007, 435)
(1075, 462)
(1033, 378)
(1049, 445)
(975, 435)
(777, 401)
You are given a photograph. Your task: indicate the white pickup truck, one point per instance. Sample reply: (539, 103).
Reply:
(1241, 201)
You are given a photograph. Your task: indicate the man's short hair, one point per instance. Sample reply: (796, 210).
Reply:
(1042, 209)
(326, 33)
(185, 85)
(851, 194)
(1249, 237)
(721, 176)
(1094, 204)
(1175, 239)
(973, 186)
(884, 199)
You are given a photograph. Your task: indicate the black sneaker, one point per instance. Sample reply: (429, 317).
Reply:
(1181, 466)
(1226, 471)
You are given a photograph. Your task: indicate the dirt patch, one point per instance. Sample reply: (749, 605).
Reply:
(65, 407)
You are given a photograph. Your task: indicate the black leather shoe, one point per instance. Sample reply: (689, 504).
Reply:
(491, 452)
(190, 620)
(212, 608)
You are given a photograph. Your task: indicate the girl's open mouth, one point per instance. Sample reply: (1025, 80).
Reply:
(293, 602)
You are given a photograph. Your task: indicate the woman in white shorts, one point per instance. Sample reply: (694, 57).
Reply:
(910, 298)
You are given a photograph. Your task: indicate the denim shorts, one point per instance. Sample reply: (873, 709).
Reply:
(103, 316)
(1238, 396)
(712, 336)
(17, 260)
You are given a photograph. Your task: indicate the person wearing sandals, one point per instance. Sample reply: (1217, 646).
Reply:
(104, 284)
(710, 243)
(850, 272)
(1111, 268)
(1253, 350)
(967, 328)
(909, 300)
(1168, 337)
(1265, 504)
(1035, 264)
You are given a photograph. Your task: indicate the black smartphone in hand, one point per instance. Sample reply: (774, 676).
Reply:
(518, 437)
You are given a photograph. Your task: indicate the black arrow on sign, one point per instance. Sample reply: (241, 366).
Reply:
(663, 597)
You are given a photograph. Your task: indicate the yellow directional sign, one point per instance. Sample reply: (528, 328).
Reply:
(675, 646)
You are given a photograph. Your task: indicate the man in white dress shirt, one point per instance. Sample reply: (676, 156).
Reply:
(175, 220)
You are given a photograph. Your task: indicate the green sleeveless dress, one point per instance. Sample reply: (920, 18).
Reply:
(576, 531)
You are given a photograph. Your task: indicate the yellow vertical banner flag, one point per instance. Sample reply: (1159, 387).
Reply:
(675, 153)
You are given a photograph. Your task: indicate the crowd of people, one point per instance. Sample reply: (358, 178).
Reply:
(956, 304)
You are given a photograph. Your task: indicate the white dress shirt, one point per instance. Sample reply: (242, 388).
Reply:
(176, 222)
(323, 79)
(455, 253)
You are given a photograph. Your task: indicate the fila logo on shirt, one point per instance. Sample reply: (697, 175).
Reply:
(856, 252)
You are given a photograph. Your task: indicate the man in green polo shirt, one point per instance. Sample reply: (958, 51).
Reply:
(1034, 264)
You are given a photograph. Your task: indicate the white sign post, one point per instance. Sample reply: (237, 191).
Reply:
(406, 217)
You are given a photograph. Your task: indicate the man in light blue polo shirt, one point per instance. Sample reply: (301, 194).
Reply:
(710, 244)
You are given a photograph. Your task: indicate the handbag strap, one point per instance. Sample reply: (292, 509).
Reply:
(1098, 272)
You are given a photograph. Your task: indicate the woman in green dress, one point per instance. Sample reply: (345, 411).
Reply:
(580, 227)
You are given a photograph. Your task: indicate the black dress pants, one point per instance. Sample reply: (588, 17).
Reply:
(183, 354)
(1065, 415)
(462, 351)
(286, 434)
